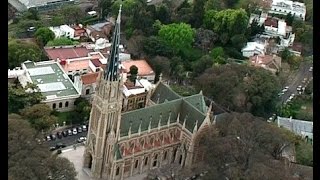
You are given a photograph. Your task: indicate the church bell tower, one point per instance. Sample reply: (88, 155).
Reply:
(105, 116)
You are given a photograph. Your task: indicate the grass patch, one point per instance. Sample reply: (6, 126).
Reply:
(63, 117)
(304, 154)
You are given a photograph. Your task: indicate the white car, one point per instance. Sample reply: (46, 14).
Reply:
(74, 131)
(280, 94)
(311, 69)
(284, 90)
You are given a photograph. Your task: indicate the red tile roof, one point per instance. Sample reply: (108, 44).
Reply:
(96, 62)
(271, 22)
(143, 67)
(67, 52)
(89, 78)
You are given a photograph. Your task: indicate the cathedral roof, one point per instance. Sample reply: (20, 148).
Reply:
(191, 110)
(163, 93)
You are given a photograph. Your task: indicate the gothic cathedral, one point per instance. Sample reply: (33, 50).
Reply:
(167, 131)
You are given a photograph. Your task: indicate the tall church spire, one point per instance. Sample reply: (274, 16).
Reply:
(111, 73)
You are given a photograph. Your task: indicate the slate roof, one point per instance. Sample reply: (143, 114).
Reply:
(170, 105)
(163, 93)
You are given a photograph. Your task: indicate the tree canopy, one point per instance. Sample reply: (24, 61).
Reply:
(18, 98)
(44, 35)
(177, 36)
(229, 21)
(40, 116)
(29, 160)
(62, 41)
(242, 146)
(240, 88)
(133, 73)
(21, 51)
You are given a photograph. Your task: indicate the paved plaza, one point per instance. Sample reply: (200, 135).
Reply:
(76, 157)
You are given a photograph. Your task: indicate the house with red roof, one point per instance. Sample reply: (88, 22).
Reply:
(144, 69)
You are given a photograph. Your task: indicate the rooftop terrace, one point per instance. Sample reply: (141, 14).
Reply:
(51, 79)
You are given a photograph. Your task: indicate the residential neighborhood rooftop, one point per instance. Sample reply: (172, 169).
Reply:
(67, 52)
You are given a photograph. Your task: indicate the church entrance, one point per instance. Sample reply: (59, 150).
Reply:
(88, 161)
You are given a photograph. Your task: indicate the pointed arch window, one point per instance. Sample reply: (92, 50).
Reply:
(117, 171)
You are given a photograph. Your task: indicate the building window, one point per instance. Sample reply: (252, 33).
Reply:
(146, 161)
(136, 165)
(180, 160)
(155, 160)
(87, 91)
(60, 105)
(54, 105)
(165, 155)
(117, 171)
(66, 104)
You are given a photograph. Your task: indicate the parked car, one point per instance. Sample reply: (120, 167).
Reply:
(84, 128)
(31, 29)
(79, 130)
(81, 139)
(52, 148)
(70, 132)
(59, 135)
(60, 145)
(74, 131)
(53, 137)
(65, 133)
(48, 138)
(311, 69)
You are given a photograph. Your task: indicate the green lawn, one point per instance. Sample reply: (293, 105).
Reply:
(63, 116)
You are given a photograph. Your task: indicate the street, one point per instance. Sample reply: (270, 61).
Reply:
(302, 73)
(68, 141)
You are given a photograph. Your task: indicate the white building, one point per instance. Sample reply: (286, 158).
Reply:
(53, 82)
(253, 48)
(299, 127)
(286, 6)
(63, 31)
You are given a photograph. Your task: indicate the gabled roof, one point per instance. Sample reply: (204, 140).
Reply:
(169, 105)
(163, 93)
(151, 114)
(197, 101)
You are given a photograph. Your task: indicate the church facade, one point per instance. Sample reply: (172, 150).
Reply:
(166, 131)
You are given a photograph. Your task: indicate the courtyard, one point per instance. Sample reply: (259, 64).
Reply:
(76, 157)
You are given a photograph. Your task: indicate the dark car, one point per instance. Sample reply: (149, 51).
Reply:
(59, 135)
(60, 145)
(53, 137)
(79, 130)
(65, 133)
(52, 148)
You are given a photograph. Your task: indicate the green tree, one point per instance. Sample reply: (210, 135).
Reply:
(40, 116)
(29, 160)
(44, 35)
(163, 14)
(205, 39)
(72, 14)
(154, 46)
(198, 12)
(304, 153)
(215, 5)
(238, 41)
(31, 14)
(81, 112)
(202, 64)
(105, 7)
(217, 52)
(21, 51)
(57, 20)
(240, 88)
(255, 28)
(177, 36)
(18, 98)
(62, 41)
(286, 55)
(133, 73)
